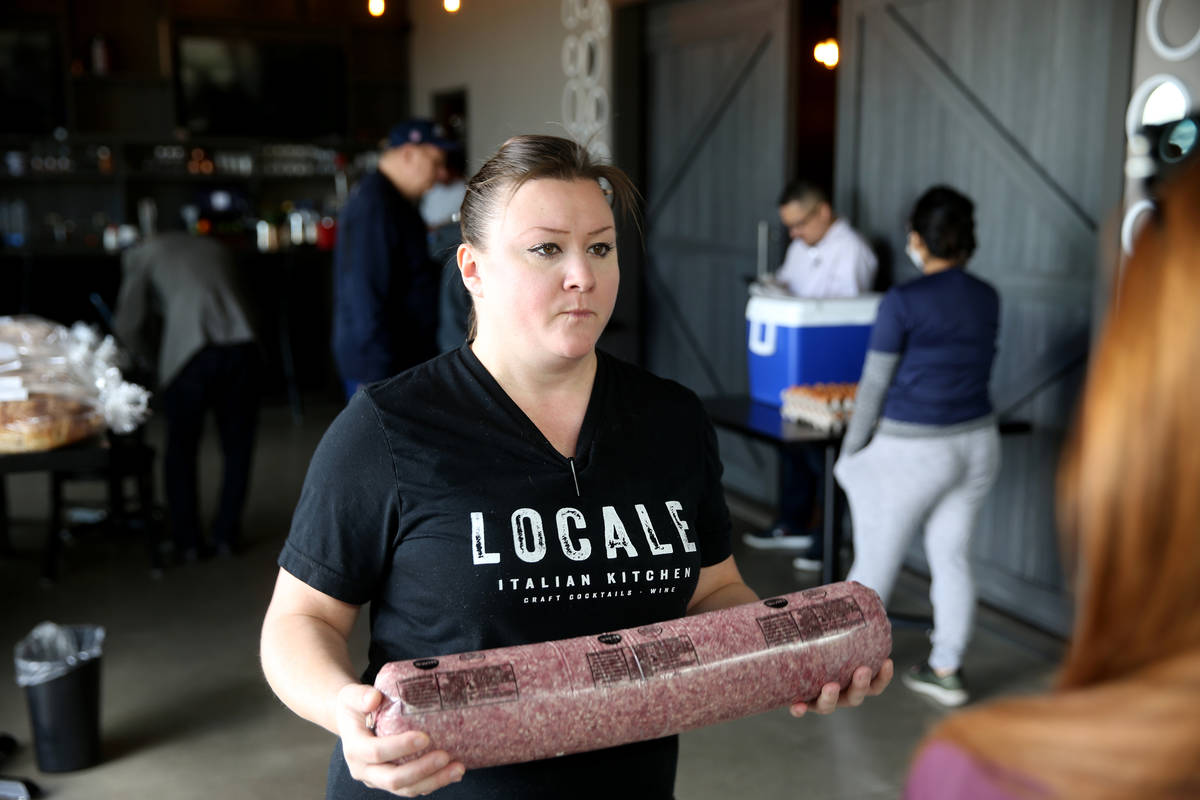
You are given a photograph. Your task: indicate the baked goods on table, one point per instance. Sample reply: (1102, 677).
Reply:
(824, 406)
(60, 385)
(46, 421)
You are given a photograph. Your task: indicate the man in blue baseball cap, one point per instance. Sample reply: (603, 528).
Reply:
(420, 131)
(385, 284)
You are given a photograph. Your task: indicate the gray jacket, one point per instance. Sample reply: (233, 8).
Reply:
(187, 287)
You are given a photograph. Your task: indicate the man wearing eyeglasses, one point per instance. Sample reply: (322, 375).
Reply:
(826, 258)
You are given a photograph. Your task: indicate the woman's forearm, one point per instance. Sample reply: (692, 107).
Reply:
(732, 594)
(720, 586)
(306, 662)
(877, 373)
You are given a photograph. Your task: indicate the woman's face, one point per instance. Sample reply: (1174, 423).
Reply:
(547, 281)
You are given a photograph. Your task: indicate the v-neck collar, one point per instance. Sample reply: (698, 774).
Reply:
(584, 442)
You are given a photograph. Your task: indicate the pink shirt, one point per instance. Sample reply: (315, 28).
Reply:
(945, 772)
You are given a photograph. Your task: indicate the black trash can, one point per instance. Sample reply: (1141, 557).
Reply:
(59, 667)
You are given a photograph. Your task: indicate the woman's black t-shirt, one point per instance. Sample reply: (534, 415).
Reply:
(435, 500)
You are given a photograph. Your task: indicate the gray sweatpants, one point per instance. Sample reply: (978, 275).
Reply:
(898, 484)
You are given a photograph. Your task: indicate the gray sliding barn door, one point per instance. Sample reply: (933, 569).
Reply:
(716, 110)
(1019, 105)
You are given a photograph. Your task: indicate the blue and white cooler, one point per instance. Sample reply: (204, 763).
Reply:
(792, 341)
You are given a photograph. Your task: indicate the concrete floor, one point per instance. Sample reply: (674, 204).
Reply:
(186, 713)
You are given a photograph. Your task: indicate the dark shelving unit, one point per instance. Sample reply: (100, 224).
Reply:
(109, 76)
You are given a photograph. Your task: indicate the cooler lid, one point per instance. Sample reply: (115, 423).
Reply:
(794, 312)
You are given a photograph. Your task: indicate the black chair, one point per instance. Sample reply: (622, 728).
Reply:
(110, 458)
(124, 457)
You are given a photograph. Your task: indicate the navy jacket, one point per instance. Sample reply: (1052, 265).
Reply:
(384, 284)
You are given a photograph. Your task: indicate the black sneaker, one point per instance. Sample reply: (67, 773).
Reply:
(950, 690)
(777, 538)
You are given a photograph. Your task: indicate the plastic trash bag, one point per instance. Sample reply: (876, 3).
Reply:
(51, 651)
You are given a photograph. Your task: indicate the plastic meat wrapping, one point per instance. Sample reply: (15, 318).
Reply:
(59, 385)
(527, 702)
(51, 651)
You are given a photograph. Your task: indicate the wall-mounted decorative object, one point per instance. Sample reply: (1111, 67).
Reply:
(1160, 98)
(585, 102)
(1154, 35)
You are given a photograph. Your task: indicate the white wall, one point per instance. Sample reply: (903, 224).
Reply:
(509, 56)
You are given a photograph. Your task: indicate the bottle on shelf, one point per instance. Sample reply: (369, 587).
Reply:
(14, 223)
(99, 55)
(104, 159)
(16, 162)
(147, 211)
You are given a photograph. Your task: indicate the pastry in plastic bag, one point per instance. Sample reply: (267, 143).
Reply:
(60, 385)
(46, 421)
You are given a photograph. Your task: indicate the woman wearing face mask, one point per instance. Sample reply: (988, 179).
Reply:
(922, 447)
(435, 498)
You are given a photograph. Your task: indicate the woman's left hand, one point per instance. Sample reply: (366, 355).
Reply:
(862, 686)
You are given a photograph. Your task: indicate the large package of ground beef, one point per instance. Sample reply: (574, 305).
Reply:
(60, 385)
(512, 704)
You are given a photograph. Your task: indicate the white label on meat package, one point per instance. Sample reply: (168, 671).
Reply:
(458, 688)
(778, 629)
(838, 615)
(418, 695)
(478, 687)
(609, 667)
(665, 655)
(812, 622)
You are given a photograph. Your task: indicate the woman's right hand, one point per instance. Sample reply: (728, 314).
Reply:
(372, 758)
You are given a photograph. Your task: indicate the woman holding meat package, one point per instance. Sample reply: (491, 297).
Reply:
(935, 454)
(410, 498)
